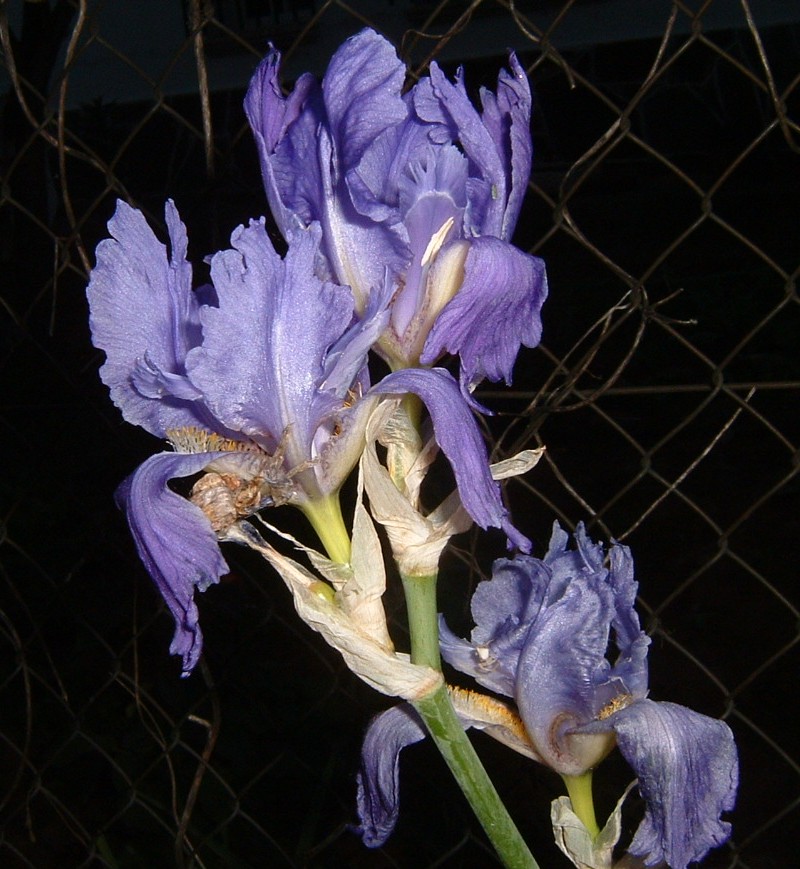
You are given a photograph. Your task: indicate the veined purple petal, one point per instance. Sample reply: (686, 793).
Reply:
(362, 89)
(374, 183)
(688, 773)
(378, 779)
(175, 541)
(557, 675)
(145, 317)
(432, 202)
(458, 436)
(263, 356)
(504, 609)
(359, 250)
(497, 309)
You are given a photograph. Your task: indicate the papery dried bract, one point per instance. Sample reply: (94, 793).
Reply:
(370, 659)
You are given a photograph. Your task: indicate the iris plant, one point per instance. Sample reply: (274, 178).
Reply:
(542, 634)
(397, 207)
(416, 190)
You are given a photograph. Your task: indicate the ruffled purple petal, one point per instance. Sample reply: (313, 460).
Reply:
(458, 435)
(379, 779)
(507, 116)
(175, 541)
(497, 309)
(145, 317)
(504, 609)
(688, 773)
(440, 101)
(262, 362)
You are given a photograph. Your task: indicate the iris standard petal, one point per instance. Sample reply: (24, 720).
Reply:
(175, 541)
(263, 356)
(497, 309)
(271, 116)
(439, 101)
(688, 773)
(458, 435)
(374, 183)
(379, 777)
(507, 116)
(362, 90)
(558, 671)
(145, 317)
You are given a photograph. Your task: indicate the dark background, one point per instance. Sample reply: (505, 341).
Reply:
(664, 200)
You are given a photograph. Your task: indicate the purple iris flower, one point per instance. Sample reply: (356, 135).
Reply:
(251, 379)
(417, 189)
(260, 381)
(541, 637)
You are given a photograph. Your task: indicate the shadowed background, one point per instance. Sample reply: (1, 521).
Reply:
(664, 200)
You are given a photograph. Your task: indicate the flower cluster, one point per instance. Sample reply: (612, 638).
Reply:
(397, 207)
(541, 637)
(261, 380)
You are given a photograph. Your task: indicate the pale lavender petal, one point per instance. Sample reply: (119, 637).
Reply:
(175, 542)
(263, 357)
(497, 309)
(145, 317)
(507, 116)
(363, 94)
(458, 435)
(688, 773)
(379, 779)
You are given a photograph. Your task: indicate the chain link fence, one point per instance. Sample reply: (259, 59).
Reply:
(665, 202)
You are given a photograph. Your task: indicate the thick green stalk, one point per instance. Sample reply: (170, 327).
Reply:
(423, 624)
(447, 732)
(325, 515)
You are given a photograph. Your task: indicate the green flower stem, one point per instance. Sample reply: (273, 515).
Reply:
(325, 515)
(448, 733)
(423, 622)
(579, 788)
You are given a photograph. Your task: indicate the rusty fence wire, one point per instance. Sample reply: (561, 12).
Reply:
(665, 201)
